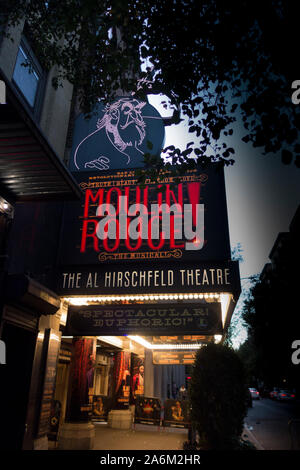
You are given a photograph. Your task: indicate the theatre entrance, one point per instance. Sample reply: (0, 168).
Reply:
(125, 362)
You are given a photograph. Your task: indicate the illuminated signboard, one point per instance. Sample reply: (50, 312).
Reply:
(117, 135)
(117, 220)
(144, 319)
(163, 277)
(174, 357)
(186, 339)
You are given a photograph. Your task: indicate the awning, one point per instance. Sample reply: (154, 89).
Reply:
(27, 292)
(29, 167)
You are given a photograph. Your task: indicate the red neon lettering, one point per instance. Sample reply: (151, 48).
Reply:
(85, 235)
(194, 197)
(89, 196)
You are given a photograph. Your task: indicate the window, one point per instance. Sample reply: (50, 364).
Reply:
(29, 79)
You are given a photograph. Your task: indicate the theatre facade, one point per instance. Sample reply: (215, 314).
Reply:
(140, 275)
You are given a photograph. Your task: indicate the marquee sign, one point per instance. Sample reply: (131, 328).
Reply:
(119, 221)
(144, 319)
(116, 136)
(165, 277)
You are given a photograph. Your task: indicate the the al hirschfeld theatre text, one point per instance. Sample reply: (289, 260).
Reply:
(147, 278)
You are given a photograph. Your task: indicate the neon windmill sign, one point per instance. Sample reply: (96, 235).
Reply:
(116, 136)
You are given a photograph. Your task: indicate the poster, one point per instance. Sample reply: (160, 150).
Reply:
(147, 411)
(137, 374)
(101, 407)
(176, 413)
(122, 360)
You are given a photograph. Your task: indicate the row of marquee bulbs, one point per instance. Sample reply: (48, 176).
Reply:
(114, 298)
(116, 341)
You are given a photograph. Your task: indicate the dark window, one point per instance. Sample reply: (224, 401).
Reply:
(29, 77)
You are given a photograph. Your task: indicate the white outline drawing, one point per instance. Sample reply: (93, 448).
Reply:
(130, 110)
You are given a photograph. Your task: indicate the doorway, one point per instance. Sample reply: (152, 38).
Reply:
(16, 377)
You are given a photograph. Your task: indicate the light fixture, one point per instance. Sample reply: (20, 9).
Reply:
(218, 338)
(225, 301)
(143, 342)
(222, 298)
(113, 340)
(6, 208)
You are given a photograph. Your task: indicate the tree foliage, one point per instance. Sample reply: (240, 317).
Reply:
(218, 396)
(272, 324)
(214, 60)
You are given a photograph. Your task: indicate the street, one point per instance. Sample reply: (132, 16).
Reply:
(268, 422)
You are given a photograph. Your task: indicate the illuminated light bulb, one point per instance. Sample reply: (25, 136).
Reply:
(181, 296)
(218, 338)
(196, 296)
(201, 296)
(191, 296)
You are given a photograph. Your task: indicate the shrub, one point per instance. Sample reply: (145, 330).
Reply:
(218, 395)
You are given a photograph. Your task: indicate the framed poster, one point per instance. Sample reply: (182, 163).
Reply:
(122, 379)
(147, 411)
(137, 376)
(101, 407)
(177, 413)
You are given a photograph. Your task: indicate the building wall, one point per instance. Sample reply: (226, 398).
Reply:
(9, 50)
(23, 427)
(53, 118)
(55, 114)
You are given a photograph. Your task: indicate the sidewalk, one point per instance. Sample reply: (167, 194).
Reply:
(249, 436)
(143, 437)
(140, 437)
